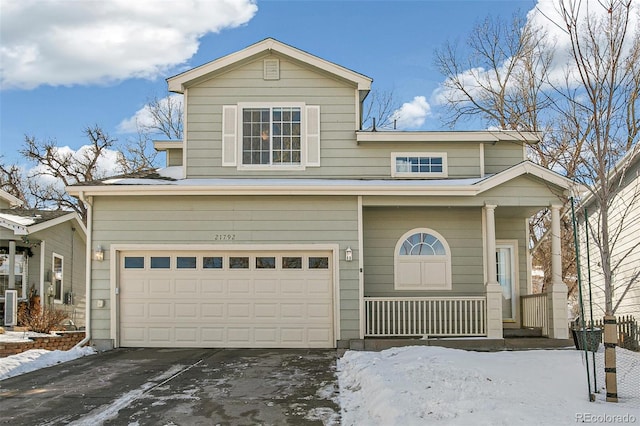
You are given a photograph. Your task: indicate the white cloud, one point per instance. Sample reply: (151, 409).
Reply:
(64, 42)
(411, 115)
(143, 117)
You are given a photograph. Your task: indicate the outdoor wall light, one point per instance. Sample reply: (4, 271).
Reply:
(99, 254)
(348, 254)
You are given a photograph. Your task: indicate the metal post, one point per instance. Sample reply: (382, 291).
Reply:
(584, 334)
(593, 354)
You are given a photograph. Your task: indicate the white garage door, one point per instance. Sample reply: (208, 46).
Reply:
(230, 299)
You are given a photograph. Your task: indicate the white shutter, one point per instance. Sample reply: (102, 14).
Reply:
(229, 135)
(10, 307)
(312, 130)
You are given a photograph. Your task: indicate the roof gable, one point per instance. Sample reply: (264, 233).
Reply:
(27, 221)
(180, 82)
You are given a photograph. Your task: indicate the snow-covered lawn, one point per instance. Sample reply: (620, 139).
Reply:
(431, 385)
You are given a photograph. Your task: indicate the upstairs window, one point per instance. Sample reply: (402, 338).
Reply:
(271, 136)
(424, 164)
(279, 136)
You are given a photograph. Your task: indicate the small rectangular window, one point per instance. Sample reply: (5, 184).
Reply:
(134, 262)
(318, 263)
(239, 262)
(291, 263)
(426, 164)
(212, 262)
(265, 263)
(160, 262)
(186, 262)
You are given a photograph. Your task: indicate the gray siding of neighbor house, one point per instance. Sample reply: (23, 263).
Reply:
(460, 227)
(341, 156)
(61, 240)
(253, 219)
(624, 218)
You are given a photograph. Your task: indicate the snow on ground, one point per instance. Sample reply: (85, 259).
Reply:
(34, 359)
(431, 385)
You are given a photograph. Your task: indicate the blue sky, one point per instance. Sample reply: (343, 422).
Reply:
(65, 67)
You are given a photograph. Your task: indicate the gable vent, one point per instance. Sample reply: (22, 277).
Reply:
(271, 69)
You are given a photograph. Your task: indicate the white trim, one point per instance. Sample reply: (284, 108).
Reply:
(422, 175)
(115, 250)
(241, 106)
(12, 200)
(42, 269)
(361, 268)
(55, 255)
(487, 136)
(482, 167)
(515, 275)
(185, 130)
(425, 187)
(427, 259)
(180, 82)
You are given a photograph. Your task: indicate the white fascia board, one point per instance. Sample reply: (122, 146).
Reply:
(486, 136)
(13, 226)
(524, 168)
(180, 82)
(347, 189)
(164, 145)
(53, 222)
(13, 201)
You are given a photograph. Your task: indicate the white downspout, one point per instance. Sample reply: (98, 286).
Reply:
(89, 267)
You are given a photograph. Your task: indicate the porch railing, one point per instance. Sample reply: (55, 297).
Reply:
(425, 316)
(535, 313)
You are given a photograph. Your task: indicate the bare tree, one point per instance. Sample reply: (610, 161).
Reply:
(603, 111)
(12, 182)
(589, 121)
(57, 168)
(164, 118)
(378, 110)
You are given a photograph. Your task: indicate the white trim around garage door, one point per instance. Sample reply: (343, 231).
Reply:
(114, 257)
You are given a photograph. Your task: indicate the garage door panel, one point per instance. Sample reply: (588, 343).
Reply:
(188, 287)
(218, 307)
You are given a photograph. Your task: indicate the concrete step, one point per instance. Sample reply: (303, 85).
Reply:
(521, 332)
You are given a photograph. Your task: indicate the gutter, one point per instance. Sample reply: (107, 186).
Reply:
(88, 275)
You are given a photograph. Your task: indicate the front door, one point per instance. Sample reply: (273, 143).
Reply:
(505, 258)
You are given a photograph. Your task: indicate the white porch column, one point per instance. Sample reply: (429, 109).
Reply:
(494, 291)
(557, 293)
(12, 267)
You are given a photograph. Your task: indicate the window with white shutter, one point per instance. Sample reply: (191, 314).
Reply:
(260, 136)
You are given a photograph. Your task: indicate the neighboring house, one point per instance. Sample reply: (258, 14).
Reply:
(46, 251)
(280, 223)
(624, 229)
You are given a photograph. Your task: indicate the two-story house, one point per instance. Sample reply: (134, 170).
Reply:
(279, 222)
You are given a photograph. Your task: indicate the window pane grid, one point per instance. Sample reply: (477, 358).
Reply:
(419, 165)
(422, 244)
(271, 136)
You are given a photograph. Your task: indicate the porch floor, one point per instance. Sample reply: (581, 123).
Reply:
(480, 344)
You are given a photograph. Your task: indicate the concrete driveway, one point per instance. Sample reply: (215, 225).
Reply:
(178, 387)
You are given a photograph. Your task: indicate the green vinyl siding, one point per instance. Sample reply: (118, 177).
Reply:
(341, 156)
(255, 220)
(461, 227)
(502, 155)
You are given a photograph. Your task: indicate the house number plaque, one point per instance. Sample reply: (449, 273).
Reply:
(224, 237)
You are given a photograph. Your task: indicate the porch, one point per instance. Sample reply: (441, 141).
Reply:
(456, 322)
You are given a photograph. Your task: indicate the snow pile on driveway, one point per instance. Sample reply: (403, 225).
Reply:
(432, 385)
(35, 359)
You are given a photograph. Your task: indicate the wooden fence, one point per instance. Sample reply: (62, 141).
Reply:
(628, 331)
